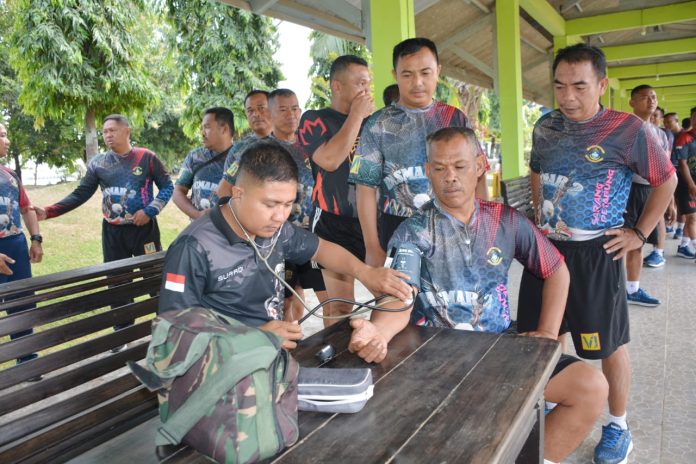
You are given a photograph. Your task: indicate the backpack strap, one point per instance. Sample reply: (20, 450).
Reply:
(218, 157)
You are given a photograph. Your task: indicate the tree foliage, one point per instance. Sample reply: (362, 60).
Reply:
(80, 59)
(56, 144)
(324, 49)
(223, 52)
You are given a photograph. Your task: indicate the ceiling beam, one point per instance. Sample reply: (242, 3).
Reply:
(422, 6)
(478, 26)
(656, 69)
(534, 46)
(546, 15)
(478, 5)
(260, 6)
(637, 51)
(632, 19)
(667, 81)
(528, 66)
(472, 60)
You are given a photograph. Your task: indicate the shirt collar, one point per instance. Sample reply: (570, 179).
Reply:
(474, 215)
(221, 224)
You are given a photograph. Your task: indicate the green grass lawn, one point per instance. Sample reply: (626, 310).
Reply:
(74, 239)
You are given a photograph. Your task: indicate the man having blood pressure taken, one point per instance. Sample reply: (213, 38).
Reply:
(466, 247)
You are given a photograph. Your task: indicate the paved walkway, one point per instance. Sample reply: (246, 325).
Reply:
(662, 407)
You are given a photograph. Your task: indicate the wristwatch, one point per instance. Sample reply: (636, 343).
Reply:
(36, 238)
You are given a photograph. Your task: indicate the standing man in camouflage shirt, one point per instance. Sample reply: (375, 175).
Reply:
(203, 167)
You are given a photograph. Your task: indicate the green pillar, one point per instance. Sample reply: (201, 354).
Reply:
(507, 14)
(391, 21)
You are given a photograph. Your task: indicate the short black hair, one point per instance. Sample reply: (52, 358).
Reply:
(267, 160)
(692, 111)
(661, 110)
(448, 133)
(686, 123)
(280, 93)
(640, 88)
(411, 46)
(390, 94)
(119, 118)
(255, 92)
(222, 116)
(582, 52)
(667, 115)
(342, 63)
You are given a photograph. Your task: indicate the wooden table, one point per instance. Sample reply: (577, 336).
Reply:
(440, 396)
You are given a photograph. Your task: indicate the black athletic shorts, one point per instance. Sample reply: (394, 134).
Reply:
(303, 275)
(637, 199)
(341, 230)
(596, 312)
(387, 226)
(686, 204)
(121, 242)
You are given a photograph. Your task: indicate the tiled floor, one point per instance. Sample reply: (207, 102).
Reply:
(662, 406)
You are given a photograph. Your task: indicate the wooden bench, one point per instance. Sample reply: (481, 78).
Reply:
(517, 193)
(87, 396)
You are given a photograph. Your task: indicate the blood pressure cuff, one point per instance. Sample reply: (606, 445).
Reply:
(333, 390)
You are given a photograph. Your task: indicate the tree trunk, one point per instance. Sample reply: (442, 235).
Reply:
(470, 99)
(92, 146)
(18, 165)
(36, 173)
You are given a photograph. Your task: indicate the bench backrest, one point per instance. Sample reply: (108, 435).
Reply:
(517, 193)
(87, 395)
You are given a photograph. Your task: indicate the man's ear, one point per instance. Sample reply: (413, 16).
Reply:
(480, 164)
(427, 169)
(237, 191)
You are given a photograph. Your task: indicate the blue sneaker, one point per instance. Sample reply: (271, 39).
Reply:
(642, 298)
(669, 229)
(685, 252)
(678, 234)
(614, 447)
(654, 259)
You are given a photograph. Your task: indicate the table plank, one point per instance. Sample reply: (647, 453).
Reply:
(401, 347)
(488, 417)
(404, 398)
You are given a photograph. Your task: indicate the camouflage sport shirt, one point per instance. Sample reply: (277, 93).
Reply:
(208, 265)
(685, 149)
(586, 170)
(13, 199)
(332, 191)
(391, 154)
(302, 209)
(126, 184)
(464, 267)
(202, 179)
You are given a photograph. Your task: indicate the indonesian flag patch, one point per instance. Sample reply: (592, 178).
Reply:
(175, 282)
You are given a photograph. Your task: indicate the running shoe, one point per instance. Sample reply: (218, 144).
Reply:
(669, 229)
(614, 447)
(678, 234)
(685, 252)
(642, 298)
(654, 259)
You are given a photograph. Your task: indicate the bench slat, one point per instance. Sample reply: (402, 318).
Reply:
(67, 408)
(60, 443)
(71, 355)
(58, 335)
(70, 379)
(78, 305)
(50, 281)
(77, 289)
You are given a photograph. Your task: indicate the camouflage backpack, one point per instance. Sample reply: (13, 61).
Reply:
(225, 389)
